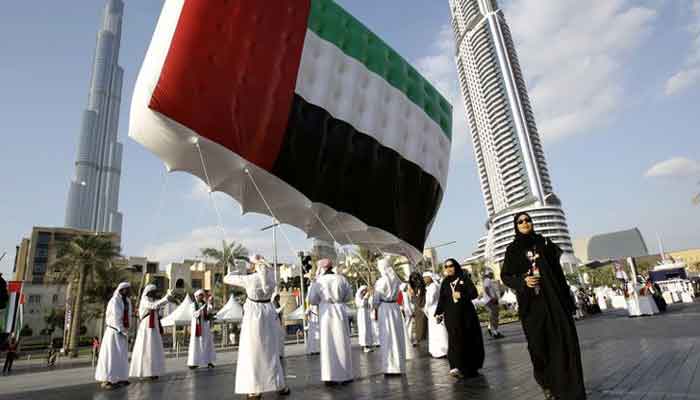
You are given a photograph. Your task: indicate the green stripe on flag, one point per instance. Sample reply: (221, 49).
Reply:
(332, 23)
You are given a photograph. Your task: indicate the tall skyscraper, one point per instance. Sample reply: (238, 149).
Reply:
(509, 156)
(93, 196)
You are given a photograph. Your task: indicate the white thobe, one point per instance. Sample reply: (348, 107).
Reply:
(113, 361)
(148, 356)
(365, 334)
(201, 351)
(330, 292)
(392, 340)
(313, 333)
(437, 333)
(259, 368)
(408, 322)
(375, 326)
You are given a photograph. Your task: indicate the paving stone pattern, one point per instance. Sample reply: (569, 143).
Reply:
(647, 358)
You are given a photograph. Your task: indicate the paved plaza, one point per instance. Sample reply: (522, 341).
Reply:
(624, 358)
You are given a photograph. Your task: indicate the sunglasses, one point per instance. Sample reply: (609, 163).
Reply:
(524, 221)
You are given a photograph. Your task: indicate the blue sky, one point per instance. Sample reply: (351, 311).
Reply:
(615, 86)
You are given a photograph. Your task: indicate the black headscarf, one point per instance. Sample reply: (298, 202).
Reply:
(458, 270)
(523, 242)
(416, 281)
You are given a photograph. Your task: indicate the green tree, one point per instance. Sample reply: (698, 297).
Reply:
(54, 318)
(81, 260)
(225, 258)
(100, 287)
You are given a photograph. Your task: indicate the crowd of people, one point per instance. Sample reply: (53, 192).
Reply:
(392, 316)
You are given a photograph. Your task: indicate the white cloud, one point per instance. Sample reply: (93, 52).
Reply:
(189, 245)
(682, 80)
(689, 75)
(676, 167)
(439, 68)
(572, 53)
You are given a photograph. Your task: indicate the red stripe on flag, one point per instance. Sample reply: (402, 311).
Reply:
(231, 71)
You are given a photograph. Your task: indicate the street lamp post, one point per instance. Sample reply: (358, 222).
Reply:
(435, 247)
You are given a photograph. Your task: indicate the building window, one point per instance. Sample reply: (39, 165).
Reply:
(151, 268)
(54, 299)
(179, 284)
(39, 268)
(196, 284)
(138, 268)
(43, 238)
(34, 299)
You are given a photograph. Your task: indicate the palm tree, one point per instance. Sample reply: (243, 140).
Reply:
(226, 257)
(81, 259)
(100, 287)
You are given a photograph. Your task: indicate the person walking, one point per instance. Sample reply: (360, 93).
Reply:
(491, 297)
(532, 269)
(10, 356)
(465, 348)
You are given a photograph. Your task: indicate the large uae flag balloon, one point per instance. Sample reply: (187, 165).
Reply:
(342, 137)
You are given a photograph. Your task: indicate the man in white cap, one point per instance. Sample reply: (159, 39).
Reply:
(437, 333)
(113, 362)
(391, 330)
(330, 292)
(148, 356)
(201, 351)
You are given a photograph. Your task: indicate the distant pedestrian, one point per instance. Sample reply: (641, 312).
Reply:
(95, 348)
(10, 356)
(364, 322)
(51, 356)
(531, 267)
(465, 349)
(491, 297)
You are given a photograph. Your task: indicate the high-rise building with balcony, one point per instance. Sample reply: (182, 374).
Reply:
(93, 196)
(509, 156)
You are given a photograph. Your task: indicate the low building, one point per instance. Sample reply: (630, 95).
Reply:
(37, 253)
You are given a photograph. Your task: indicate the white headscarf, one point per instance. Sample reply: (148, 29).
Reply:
(121, 286)
(148, 289)
(386, 270)
(197, 293)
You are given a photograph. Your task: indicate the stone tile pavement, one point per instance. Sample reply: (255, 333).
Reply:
(624, 358)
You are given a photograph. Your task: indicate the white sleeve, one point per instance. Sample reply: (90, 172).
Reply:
(111, 318)
(315, 294)
(233, 279)
(378, 292)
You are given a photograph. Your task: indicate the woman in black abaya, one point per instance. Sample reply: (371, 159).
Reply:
(465, 350)
(531, 268)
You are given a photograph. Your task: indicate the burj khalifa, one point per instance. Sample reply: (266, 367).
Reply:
(93, 197)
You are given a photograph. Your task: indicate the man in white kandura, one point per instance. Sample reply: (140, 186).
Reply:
(259, 368)
(437, 333)
(408, 313)
(313, 331)
(391, 331)
(113, 362)
(365, 334)
(201, 352)
(330, 292)
(148, 356)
